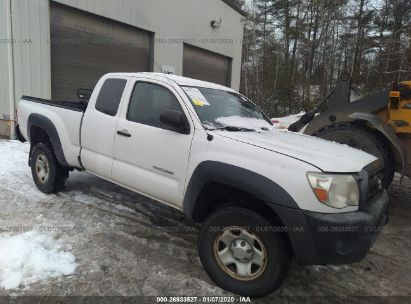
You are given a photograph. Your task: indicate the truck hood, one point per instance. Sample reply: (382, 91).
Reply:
(325, 155)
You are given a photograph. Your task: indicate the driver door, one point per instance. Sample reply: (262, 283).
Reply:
(148, 158)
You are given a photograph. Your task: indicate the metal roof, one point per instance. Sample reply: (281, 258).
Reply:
(235, 7)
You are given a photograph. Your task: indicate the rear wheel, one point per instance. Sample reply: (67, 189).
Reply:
(240, 254)
(48, 175)
(363, 139)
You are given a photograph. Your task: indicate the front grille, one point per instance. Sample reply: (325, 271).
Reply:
(370, 183)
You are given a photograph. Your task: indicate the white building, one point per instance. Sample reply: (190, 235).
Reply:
(49, 49)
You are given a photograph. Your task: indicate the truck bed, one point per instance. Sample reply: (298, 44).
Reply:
(61, 119)
(69, 105)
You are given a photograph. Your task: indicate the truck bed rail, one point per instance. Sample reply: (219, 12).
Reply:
(70, 105)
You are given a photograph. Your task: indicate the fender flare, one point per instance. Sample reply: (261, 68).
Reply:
(388, 132)
(254, 183)
(44, 123)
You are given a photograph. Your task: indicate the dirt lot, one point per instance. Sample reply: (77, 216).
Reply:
(127, 245)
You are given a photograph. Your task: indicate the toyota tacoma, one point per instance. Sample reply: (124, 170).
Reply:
(263, 196)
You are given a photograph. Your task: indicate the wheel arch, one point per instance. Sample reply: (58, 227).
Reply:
(213, 181)
(251, 191)
(41, 128)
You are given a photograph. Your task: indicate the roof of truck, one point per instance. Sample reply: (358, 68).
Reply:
(182, 81)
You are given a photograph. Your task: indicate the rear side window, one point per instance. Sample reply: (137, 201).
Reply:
(110, 96)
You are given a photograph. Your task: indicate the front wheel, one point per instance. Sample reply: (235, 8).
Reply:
(241, 253)
(48, 175)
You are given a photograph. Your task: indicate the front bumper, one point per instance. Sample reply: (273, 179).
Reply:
(339, 238)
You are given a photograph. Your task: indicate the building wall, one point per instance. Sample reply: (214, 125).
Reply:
(4, 69)
(4, 72)
(31, 30)
(31, 51)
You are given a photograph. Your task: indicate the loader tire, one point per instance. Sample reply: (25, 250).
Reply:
(365, 139)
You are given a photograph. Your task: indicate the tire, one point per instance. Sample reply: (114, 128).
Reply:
(48, 175)
(364, 139)
(264, 278)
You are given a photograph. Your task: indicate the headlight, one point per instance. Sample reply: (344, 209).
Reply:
(335, 190)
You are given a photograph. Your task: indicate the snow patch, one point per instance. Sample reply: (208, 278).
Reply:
(319, 268)
(244, 122)
(15, 173)
(32, 257)
(86, 199)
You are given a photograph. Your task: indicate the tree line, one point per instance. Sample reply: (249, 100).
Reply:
(295, 50)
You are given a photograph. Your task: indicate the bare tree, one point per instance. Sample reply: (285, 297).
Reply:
(294, 50)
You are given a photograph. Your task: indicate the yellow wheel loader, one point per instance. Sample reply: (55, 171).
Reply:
(378, 124)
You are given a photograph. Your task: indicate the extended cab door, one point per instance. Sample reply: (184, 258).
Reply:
(99, 125)
(148, 157)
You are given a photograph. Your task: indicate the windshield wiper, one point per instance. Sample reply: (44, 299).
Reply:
(233, 129)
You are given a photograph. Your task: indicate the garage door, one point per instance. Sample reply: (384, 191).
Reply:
(204, 65)
(84, 47)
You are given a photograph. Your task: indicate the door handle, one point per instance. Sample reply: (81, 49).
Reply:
(124, 133)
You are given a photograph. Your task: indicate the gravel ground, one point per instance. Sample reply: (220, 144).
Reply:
(128, 245)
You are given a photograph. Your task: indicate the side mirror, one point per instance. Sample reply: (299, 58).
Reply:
(84, 94)
(175, 121)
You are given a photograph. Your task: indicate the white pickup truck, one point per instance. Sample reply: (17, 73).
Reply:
(263, 196)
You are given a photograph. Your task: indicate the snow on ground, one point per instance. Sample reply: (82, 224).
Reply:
(127, 245)
(12, 162)
(31, 257)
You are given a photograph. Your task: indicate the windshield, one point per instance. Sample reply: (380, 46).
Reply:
(224, 110)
